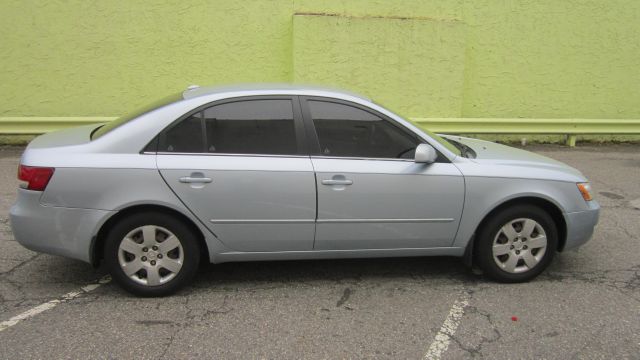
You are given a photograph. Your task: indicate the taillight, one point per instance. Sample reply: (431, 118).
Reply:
(36, 177)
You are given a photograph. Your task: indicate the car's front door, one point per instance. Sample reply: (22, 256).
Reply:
(371, 194)
(239, 167)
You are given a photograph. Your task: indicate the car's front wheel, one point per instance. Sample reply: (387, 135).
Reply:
(151, 254)
(517, 243)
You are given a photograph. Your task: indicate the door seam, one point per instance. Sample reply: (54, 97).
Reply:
(315, 226)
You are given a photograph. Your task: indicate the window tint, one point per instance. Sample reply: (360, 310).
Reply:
(351, 132)
(251, 127)
(444, 142)
(242, 127)
(186, 136)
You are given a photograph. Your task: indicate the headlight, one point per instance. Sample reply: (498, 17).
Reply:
(585, 190)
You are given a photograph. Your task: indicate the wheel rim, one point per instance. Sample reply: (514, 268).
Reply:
(519, 245)
(150, 255)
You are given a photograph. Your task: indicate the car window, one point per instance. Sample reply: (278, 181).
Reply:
(347, 131)
(133, 114)
(184, 137)
(444, 142)
(241, 127)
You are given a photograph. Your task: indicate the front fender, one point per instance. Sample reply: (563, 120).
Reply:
(484, 194)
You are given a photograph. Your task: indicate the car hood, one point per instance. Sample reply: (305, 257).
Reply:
(488, 152)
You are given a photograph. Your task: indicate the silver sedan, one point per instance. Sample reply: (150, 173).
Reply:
(284, 172)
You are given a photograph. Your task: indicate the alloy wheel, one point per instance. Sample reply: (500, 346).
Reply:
(150, 255)
(519, 245)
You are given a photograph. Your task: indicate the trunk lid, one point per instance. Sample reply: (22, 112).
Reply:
(66, 137)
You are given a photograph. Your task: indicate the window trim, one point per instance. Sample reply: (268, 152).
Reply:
(154, 144)
(314, 142)
(229, 154)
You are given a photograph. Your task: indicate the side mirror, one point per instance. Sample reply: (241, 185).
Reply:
(425, 154)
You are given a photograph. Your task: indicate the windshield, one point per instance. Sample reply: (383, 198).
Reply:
(444, 142)
(134, 114)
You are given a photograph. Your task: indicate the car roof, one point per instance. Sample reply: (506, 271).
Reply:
(286, 89)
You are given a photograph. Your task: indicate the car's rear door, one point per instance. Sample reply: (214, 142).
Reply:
(239, 166)
(371, 194)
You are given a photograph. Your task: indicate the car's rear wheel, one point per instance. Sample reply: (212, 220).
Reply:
(151, 254)
(517, 243)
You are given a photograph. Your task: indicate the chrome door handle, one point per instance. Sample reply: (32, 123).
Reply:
(337, 182)
(195, 180)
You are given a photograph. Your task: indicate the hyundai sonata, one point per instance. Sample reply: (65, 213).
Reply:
(284, 172)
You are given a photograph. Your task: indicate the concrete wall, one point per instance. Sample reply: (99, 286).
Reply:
(446, 58)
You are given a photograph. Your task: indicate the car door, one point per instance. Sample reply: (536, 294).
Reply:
(371, 194)
(238, 165)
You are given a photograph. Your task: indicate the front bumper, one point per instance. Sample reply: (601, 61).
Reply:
(580, 225)
(55, 230)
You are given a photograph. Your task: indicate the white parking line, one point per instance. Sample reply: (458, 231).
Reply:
(53, 303)
(448, 329)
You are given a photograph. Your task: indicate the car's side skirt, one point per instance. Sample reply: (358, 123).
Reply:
(325, 221)
(335, 254)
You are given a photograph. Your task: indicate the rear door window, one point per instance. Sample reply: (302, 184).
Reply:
(256, 126)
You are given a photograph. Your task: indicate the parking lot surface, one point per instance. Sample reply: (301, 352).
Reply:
(586, 305)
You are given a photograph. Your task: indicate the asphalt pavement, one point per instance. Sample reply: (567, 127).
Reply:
(586, 305)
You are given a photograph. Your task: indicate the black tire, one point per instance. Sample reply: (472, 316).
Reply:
(186, 237)
(485, 241)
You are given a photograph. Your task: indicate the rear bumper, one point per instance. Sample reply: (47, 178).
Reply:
(55, 230)
(580, 226)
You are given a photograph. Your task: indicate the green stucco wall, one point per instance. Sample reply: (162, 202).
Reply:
(414, 65)
(446, 58)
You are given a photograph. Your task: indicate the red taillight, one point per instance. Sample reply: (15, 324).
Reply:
(36, 177)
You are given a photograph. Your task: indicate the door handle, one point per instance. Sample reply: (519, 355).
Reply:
(195, 180)
(337, 182)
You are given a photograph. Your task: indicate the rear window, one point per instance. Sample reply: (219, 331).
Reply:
(134, 114)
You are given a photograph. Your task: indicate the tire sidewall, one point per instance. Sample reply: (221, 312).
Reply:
(185, 235)
(490, 229)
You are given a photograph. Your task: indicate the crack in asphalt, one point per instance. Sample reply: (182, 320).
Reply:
(476, 351)
(23, 299)
(17, 285)
(216, 311)
(626, 287)
(175, 332)
(21, 264)
(190, 319)
(626, 231)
